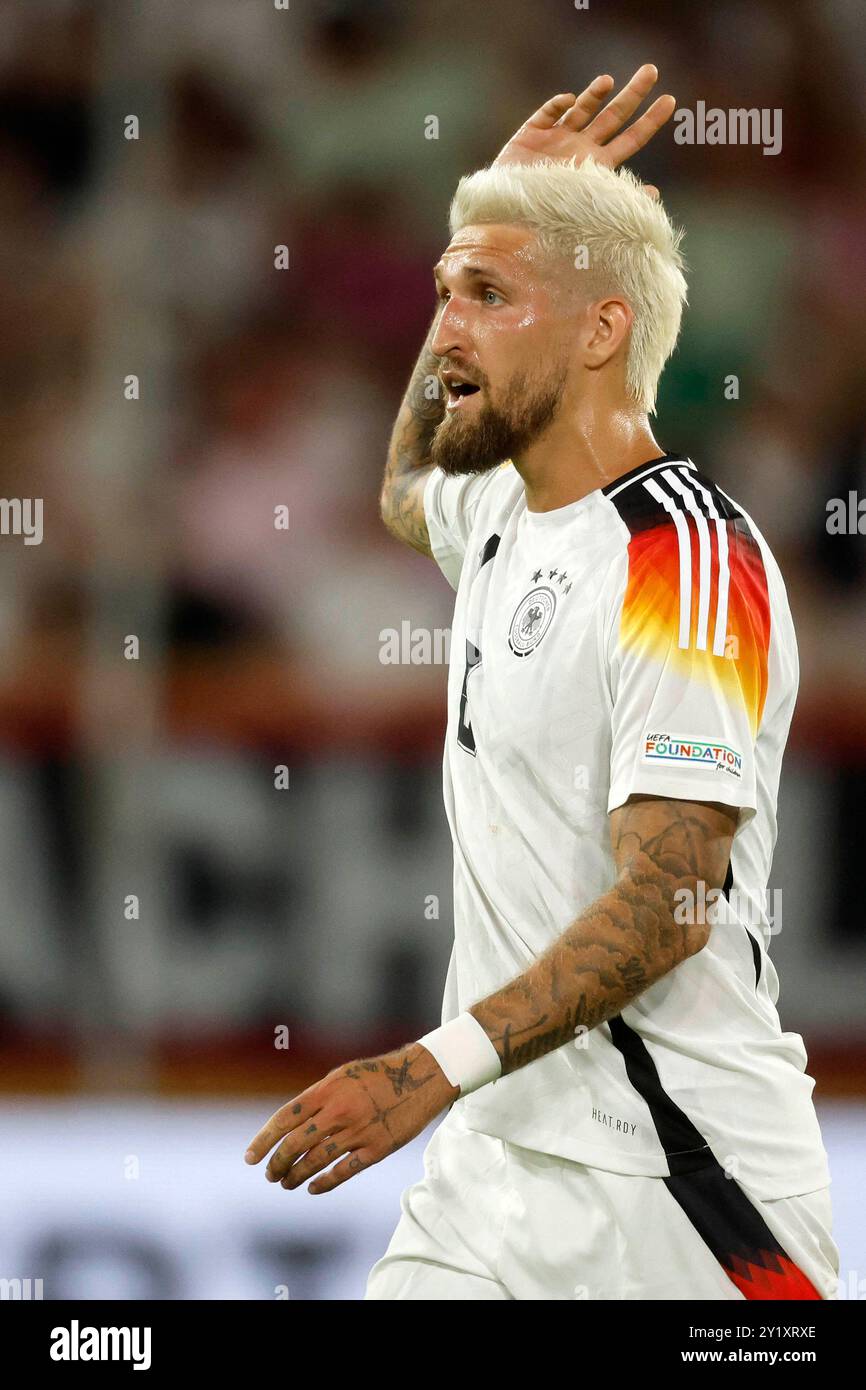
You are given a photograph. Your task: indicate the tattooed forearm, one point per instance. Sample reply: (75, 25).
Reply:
(408, 467)
(626, 940)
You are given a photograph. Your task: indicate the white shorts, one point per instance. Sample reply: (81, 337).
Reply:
(493, 1220)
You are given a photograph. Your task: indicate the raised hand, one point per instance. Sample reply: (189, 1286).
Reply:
(568, 127)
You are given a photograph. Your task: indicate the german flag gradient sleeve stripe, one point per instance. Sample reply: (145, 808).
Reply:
(697, 589)
(690, 643)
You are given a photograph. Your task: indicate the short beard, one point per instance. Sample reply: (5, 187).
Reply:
(497, 433)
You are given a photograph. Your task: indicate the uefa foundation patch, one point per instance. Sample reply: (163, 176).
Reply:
(693, 752)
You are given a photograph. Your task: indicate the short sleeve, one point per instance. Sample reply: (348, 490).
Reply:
(450, 504)
(688, 661)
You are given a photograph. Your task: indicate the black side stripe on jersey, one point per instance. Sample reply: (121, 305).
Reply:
(756, 950)
(491, 545)
(465, 736)
(756, 955)
(717, 1207)
(685, 1147)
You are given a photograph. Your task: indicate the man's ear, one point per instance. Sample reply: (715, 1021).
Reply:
(608, 325)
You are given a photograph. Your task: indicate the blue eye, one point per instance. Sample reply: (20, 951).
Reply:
(493, 292)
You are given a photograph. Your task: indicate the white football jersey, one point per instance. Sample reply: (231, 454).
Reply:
(638, 640)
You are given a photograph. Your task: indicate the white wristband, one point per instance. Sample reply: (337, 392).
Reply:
(464, 1052)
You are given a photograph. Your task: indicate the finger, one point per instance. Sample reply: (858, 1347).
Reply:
(548, 114)
(354, 1163)
(651, 189)
(293, 1113)
(641, 131)
(306, 1137)
(313, 1162)
(624, 104)
(587, 103)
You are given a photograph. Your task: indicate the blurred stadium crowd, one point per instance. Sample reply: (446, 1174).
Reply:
(153, 779)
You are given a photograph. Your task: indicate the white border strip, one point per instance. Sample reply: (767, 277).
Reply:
(685, 548)
(720, 636)
(705, 554)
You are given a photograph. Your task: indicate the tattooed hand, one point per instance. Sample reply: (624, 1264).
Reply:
(359, 1113)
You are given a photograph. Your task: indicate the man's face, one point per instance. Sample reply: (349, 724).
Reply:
(502, 329)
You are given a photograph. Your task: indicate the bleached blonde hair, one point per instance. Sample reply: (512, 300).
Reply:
(632, 248)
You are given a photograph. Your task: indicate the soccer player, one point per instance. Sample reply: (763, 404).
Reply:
(625, 1117)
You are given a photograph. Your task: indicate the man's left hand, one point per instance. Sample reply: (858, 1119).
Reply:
(358, 1113)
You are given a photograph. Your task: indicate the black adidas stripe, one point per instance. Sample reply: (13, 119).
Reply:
(757, 959)
(491, 545)
(685, 1147)
(729, 1224)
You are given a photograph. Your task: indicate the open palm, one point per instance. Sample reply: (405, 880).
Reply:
(569, 127)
